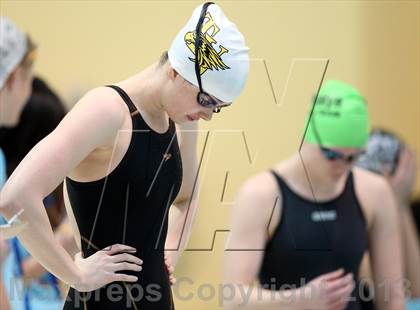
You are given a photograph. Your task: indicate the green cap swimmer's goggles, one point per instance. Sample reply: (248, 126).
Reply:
(339, 117)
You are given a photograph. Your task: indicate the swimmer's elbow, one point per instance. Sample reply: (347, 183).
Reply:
(186, 203)
(181, 199)
(8, 205)
(187, 194)
(11, 202)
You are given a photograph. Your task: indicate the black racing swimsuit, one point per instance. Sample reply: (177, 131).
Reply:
(315, 238)
(130, 206)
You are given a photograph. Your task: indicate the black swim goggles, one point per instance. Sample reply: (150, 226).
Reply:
(203, 98)
(332, 155)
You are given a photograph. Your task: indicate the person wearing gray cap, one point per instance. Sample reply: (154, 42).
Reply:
(4, 302)
(17, 54)
(387, 154)
(125, 163)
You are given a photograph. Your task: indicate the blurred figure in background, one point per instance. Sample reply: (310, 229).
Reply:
(17, 53)
(41, 115)
(21, 273)
(4, 302)
(302, 228)
(2, 168)
(387, 155)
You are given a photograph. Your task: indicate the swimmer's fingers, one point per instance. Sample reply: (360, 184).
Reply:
(125, 257)
(336, 284)
(170, 269)
(100, 269)
(341, 292)
(172, 280)
(118, 248)
(340, 298)
(125, 266)
(119, 277)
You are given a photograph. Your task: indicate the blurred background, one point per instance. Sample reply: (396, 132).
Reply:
(373, 45)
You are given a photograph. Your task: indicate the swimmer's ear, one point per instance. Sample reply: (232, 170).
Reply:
(172, 74)
(12, 78)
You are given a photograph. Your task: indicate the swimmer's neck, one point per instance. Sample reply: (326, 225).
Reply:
(145, 90)
(320, 181)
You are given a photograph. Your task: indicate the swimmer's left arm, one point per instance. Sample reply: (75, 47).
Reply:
(182, 213)
(385, 248)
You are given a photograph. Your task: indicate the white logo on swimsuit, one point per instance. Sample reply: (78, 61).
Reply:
(167, 156)
(323, 216)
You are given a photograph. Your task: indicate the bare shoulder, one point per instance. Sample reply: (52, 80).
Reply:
(257, 198)
(260, 187)
(252, 211)
(103, 102)
(98, 115)
(372, 190)
(369, 184)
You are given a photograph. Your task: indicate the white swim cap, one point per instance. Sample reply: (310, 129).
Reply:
(13, 46)
(225, 65)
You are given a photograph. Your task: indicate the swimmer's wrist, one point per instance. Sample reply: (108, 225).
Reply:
(79, 281)
(293, 299)
(303, 297)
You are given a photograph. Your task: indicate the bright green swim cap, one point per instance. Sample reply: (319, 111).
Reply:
(339, 118)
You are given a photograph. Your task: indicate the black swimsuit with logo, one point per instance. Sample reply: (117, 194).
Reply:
(313, 238)
(130, 206)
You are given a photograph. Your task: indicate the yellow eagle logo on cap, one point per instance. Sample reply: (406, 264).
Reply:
(208, 57)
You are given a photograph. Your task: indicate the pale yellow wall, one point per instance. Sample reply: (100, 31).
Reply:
(373, 45)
